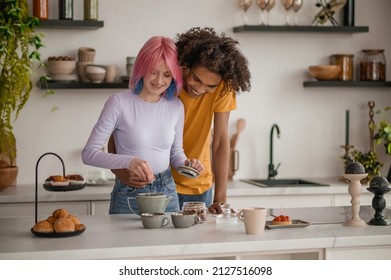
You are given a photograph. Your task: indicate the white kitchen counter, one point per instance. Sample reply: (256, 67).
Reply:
(123, 237)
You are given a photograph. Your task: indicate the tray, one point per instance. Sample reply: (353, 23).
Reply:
(70, 187)
(295, 224)
(58, 234)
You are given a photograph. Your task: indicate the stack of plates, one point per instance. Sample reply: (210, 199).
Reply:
(64, 78)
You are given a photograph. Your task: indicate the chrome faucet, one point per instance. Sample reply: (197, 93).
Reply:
(273, 172)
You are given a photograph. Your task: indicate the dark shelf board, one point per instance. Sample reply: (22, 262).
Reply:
(346, 84)
(79, 85)
(67, 24)
(288, 28)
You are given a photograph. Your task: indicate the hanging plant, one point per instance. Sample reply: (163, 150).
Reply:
(19, 50)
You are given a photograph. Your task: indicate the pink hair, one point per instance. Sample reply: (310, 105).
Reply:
(155, 50)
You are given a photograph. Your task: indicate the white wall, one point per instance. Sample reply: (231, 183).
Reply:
(312, 120)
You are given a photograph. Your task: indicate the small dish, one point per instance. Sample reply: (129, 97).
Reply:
(58, 234)
(64, 78)
(295, 224)
(188, 172)
(67, 188)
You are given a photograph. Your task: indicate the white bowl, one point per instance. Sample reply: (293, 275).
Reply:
(95, 74)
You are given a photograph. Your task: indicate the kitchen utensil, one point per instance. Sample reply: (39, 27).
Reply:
(154, 220)
(181, 220)
(234, 154)
(254, 219)
(324, 72)
(188, 171)
(149, 203)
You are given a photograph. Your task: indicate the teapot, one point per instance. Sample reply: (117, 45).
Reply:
(150, 202)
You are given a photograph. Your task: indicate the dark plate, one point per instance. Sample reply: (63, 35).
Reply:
(70, 187)
(295, 224)
(58, 234)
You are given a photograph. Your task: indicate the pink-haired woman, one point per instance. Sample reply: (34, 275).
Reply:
(147, 125)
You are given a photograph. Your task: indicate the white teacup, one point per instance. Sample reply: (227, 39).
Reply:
(254, 219)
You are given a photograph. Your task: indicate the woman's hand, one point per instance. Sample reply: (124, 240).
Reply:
(196, 164)
(141, 169)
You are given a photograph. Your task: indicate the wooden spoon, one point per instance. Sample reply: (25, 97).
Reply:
(240, 125)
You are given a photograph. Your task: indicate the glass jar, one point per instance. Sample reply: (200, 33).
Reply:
(345, 61)
(91, 9)
(41, 9)
(65, 9)
(372, 65)
(228, 216)
(129, 65)
(195, 207)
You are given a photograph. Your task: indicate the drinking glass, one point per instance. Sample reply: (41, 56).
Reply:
(245, 5)
(268, 8)
(297, 4)
(262, 4)
(287, 4)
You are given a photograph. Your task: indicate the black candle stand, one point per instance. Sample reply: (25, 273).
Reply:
(378, 204)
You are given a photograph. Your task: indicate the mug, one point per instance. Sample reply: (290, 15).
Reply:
(254, 219)
(154, 220)
(112, 73)
(181, 220)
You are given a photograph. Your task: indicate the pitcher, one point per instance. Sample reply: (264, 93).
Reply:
(150, 202)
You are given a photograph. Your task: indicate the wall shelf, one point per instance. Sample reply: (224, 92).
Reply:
(346, 84)
(309, 28)
(67, 24)
(79, 85)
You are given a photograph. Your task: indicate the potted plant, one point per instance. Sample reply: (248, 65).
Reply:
(19, 49)
(383, 135)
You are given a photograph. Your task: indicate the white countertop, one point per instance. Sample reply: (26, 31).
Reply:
(123, 236)
(237, 188)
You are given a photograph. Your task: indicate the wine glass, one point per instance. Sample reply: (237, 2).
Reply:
(296, 7)
(245, 5)
(287, 4)
(268, 8)
(262, 4)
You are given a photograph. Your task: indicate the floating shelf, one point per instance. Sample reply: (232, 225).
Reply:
(309, 28)
(59, 24)
(346, 84)
(79, 85)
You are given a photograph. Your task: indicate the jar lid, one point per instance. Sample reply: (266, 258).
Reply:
(372, 51)
(341, 54)
(194, 204)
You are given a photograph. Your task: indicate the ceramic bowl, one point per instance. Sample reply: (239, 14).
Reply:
(96, 74)
(61, 67)
(324, 72)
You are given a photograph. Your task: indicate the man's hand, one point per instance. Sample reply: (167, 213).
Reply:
(215, 208)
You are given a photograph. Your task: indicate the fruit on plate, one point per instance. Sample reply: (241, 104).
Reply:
(282, 220)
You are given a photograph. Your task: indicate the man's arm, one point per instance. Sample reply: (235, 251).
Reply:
(124, 175)
(220, 159)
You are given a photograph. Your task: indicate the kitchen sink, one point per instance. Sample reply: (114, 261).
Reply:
(283, 183)
(328, 215)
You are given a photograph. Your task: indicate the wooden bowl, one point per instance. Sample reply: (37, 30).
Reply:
(61, 67)
(324, 72)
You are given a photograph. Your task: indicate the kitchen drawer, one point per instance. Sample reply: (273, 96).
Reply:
(44, 208)
(100, 207)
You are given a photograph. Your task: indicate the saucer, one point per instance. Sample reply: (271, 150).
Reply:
(188, 172)
(64, 78)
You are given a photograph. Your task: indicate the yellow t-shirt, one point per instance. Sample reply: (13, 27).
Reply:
(196, 139)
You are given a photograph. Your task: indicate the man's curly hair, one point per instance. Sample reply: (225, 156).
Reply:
(219, 54)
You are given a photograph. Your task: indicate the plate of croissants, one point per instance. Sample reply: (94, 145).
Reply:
(70, 182)
(60, 224)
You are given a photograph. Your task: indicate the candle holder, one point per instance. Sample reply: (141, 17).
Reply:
(355, 190)
(378, 204)
(345, 157)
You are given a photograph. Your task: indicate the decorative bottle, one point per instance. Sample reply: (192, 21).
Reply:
(65, 9)
(41, 9)
(91, 9)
